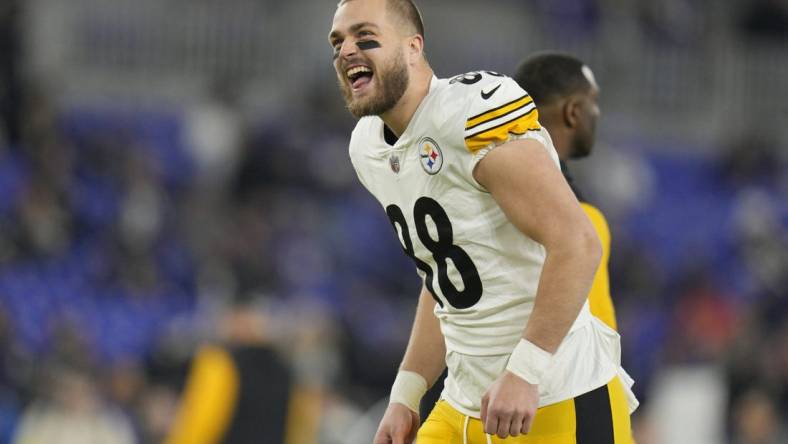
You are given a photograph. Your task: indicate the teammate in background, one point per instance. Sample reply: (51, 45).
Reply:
(471, 183)
(566, 93)
(241, 391)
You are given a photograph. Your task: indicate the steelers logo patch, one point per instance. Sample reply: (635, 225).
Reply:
(394, 163)
(430, 155)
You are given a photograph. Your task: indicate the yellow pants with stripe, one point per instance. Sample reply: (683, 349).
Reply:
(597, 417)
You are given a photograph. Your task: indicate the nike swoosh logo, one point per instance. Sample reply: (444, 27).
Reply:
(487, 95)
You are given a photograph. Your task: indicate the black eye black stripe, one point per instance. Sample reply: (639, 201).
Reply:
(368, 44)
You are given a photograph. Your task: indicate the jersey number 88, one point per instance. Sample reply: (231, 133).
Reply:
(442, 250)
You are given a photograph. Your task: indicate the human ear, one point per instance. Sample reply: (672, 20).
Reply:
(415, 46)
(571, 112)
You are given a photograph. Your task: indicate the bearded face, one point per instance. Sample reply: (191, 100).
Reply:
(372, 91)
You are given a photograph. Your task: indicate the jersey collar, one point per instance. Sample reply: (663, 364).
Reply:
(404, 139)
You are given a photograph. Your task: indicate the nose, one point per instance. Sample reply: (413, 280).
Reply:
(348, 48)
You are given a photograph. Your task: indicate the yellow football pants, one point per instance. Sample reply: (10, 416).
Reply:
(597, 417)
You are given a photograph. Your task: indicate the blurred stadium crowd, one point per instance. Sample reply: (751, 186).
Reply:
(128, 231)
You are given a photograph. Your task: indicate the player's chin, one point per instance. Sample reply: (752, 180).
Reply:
(360, 107)
(363, 99)
(369, 105)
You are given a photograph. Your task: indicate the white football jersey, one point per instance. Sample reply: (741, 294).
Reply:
(482, 271)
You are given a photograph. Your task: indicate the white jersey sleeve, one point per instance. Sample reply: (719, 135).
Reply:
(496, 110)
(500, 111)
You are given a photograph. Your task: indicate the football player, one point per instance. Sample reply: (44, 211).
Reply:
(566, 93)
(472, 186)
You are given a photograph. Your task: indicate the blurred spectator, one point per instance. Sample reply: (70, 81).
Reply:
(15, 378)
(687, 405)
(44, 221)
(141, 223)
(213, 128)
(756, 420)
(73, 412)
(757, 370)
(704, 323)
(762, 241)
(125, 385)
(158, 405)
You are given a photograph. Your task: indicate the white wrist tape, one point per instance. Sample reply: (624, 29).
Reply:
(529, 362)
(408, 389)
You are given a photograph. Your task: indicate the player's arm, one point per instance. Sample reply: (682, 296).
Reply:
(512, 162)
(509, 158)
(535, 197)
(426, 352)
(423, 363)
(533, 194)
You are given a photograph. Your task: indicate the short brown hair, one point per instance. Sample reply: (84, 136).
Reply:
(406, 11)
(409, 13)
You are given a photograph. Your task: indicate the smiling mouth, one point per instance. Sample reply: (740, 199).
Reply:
(359, 76)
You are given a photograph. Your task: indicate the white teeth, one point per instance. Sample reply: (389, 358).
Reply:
(357, 70)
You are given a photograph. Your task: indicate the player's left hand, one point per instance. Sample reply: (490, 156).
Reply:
(509, 406)
(398, 426)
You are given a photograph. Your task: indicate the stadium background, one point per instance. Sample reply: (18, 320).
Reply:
(160, 159)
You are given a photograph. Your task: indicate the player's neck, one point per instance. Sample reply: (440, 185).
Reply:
(563, 151)
(398, 117)
(560, 140)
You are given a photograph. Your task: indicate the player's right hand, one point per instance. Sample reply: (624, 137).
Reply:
(509, 406)
(398, 426)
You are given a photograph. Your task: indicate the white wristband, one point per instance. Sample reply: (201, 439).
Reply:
(529, 362)
(408, 388)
